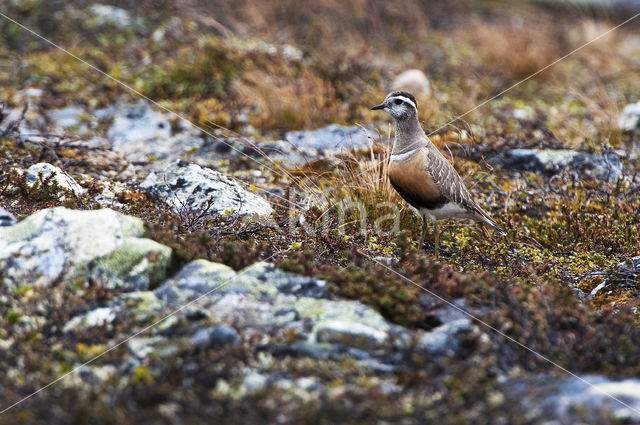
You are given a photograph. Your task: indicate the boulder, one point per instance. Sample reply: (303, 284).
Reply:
(66, 118)
(572, 400)
(550, 162)
(270, 301)
(189, 187)
(137, 122)
(333, 137)
(103, 245)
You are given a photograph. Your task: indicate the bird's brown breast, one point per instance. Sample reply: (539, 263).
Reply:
(416, 186)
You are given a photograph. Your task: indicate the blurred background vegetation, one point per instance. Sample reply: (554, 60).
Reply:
(279, 66)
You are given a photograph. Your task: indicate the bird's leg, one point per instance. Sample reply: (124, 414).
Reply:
(424, 232)
(437, 239)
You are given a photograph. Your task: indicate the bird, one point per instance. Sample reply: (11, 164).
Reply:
(422, 176)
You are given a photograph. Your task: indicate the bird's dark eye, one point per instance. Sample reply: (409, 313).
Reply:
(397, 102)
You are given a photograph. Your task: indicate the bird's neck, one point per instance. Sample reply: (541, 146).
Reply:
(409, 136)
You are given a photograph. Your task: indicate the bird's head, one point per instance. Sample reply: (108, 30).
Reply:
(400, 105)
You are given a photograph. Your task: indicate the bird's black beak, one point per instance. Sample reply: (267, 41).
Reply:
(380, 106)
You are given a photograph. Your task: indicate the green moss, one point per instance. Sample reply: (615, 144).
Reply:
(140, 258)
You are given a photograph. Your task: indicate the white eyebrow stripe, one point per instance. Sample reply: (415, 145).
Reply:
(406, 99)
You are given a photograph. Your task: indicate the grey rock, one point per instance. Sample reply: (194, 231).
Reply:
(140, 306)
(266, 278)
(157, 346)
(188, 187)
(6, 218)
(350, 333)
(572, 398)
(137, 122)
(270, 301)
(94, 318)
(550, 162)
(110, 15)
(66, 117)
(444, 338)
(195, 279)
(254, 381)
(329, 138)
(42, 171)
(201, 338)
(61, 243)
(217, 336)
(448, 313)
(350, 323)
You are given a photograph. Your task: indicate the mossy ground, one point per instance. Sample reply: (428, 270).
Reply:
(288, 67)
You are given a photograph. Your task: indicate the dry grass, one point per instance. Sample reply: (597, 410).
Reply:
(285, 101)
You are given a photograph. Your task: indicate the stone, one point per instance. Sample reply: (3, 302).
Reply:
(333, 137)
(413, 81)
(575, 401)
(217, 336)
(134, 266)
(550, 162)
(350, 323)
(444, 338)
(187, 187)
(264, 277)
(42, 171)
(66, 118)
(351, 334)
(141, 306)
(195, 279)
(269, 302)
(137, 122)
(110, 15)
(157, 346)
(98, 317)
(629, 119)
(6, 218)
(58, 243)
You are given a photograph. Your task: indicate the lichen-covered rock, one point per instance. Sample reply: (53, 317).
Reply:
(264, 277)
(189, 187)
(444, 338)
(110, 15)
(42, 171)
(135, 265)
(97, 317)
(571, 400)
(550, 162)
(67, 118)
(349, 323)
(195, 279)
(329, 138)
(137, 122)
(140, 306)
(157, 346)
(270, 301)
(61, 243)
(6, 218)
